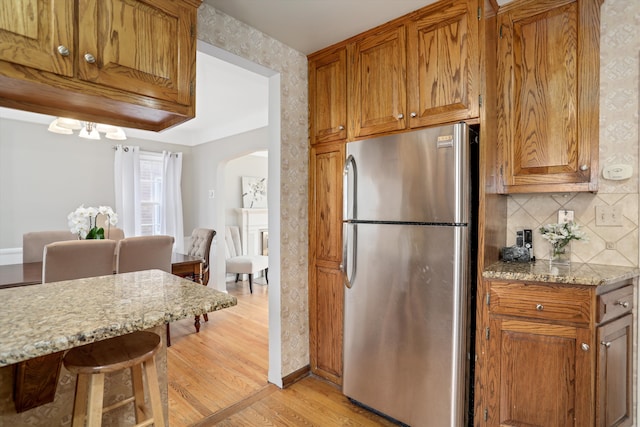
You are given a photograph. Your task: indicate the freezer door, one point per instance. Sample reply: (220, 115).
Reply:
(419, 176)
(405, 323)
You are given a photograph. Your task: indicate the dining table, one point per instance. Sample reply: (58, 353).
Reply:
(30, 273)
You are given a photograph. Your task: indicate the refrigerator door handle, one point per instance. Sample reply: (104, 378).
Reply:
(349, 165)
(350, 169)
(348, 281)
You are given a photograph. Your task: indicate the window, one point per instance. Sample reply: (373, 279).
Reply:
(150, 193)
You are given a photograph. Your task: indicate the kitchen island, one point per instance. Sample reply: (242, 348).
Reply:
(47, 319)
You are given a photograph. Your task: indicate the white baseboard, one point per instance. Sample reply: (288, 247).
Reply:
(10, 256)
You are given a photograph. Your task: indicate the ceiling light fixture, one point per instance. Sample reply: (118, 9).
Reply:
(88, 130)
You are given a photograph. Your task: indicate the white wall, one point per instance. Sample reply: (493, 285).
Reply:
(44, 176)
(250, 165)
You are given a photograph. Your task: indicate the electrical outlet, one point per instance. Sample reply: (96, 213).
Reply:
(565, 216)
(608, 216)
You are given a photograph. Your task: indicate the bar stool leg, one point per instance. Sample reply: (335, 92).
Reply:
(138, 393)
(96, 395)
(80, 402)
(154, 392)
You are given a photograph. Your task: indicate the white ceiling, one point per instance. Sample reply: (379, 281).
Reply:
(310, 25)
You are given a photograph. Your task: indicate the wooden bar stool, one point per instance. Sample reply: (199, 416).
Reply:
(90, 362)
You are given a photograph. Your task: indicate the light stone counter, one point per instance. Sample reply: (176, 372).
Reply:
(573, 274)
(46, 318)
(38, 320)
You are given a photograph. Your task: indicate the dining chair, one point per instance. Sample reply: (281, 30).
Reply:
(145, 253)
(77, 259)
(201, 239)
(33, 243)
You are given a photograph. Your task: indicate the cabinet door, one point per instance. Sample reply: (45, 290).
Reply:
(144, 47)
(548, 68)
(442, 64)
(31, 32)
(615, 366)
(377, 74)
(328, 96)
(326, 292)
(542, 374)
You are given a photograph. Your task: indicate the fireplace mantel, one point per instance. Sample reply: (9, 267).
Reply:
(252, 223)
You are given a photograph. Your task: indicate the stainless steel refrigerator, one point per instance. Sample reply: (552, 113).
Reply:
(408, 258)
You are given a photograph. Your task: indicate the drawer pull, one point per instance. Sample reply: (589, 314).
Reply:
(585, 346)
(606, 343)
(539, 307)
(624, 304)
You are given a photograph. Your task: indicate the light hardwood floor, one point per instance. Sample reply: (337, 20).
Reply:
(219, 376)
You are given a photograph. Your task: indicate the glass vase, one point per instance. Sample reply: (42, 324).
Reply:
(560, 253)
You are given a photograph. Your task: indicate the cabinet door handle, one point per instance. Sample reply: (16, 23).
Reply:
(341, 127)
(585, 346)
(607, 344)
(539, 307)
(62, 50)
(89, 58)
(584, 167)
(413, 114)
(624, 304)
(400, 116)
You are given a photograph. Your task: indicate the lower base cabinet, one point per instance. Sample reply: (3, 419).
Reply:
(559, 355)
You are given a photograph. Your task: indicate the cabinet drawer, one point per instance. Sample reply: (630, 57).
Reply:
(615, 303)
(545, 302)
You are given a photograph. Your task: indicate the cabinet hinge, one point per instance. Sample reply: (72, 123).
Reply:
(487, 333)
(479, 13)
(193, 30)
(480, 100)
(488, 298)
(191, 89)
(500, 32)
(485, 414)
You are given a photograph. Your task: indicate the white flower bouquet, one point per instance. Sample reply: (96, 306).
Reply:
(82, 221)
(559, 236)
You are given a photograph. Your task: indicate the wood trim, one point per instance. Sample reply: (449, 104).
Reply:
(296, 376)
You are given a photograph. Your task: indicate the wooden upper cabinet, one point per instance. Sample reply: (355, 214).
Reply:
(142, 47)
(122, 62)
(443, 64)
(32, 30)
(548, 102)
(377, 83)
(328, 96)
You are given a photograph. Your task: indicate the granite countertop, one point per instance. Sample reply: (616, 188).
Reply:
(42, 319)
(575, 273)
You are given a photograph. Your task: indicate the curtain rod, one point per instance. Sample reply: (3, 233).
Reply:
(126, 150)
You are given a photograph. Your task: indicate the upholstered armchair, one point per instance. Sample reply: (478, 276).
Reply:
(237, 263)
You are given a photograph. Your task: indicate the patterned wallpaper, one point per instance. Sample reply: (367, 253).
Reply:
(227, 33)
(619, 104)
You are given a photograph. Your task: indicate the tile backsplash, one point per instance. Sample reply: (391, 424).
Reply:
(619, 105)
(613, 245)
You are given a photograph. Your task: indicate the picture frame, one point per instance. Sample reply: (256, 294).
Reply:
(254, 192)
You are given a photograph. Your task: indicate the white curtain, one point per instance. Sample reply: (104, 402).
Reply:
(172, 198)
(127, 173)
